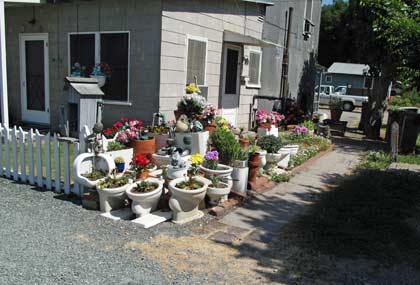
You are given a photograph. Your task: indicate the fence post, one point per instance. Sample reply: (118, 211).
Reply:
(1, 150)
(48, 161)
(66, 168)
(57, 178)
(7, 151)
(39, 174)
(76, 187)
(22, 155)
(14, 155)
(31, 156)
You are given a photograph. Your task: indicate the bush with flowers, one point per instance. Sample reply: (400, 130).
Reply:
(266, 119)
(211, 159)
(300, 131)
(142, 162)
(191, 105)
(223, 123)
(129, 131)
(209, 113)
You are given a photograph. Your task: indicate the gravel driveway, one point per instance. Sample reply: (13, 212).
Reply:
(47, 240)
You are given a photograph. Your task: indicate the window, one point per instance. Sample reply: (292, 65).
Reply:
(328, 78)
(308, 24)
(254, 73)
(111, 48)
(196, 61)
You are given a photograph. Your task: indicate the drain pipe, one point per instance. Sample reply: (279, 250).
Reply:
(285, 63)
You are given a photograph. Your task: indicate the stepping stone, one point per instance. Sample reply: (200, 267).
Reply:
(153, 219)
(117, 215)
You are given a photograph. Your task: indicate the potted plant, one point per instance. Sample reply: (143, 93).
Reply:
(133, 134)
(178, 167)
(120, 164)
(145, 195)
(272, 145)
(336, 109)
(243, 140)
(208, 116)
(112, 192)
(161, 135)
(78, 70)
(268, 122)
(143, 164)
(212, 168)
(191, 104)
(217, 191)
(101, 72)
(187, 193)
(89, 168)
(240, 170)
(253, 164)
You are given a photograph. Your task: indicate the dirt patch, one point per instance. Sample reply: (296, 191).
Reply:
(198, 256)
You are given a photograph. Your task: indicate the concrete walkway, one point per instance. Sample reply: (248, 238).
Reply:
(269, 212)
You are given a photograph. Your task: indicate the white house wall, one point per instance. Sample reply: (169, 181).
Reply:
(207, 19)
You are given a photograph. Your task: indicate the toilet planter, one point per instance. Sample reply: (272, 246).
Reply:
(223, 172)
(174, 172)
(271, 144)
(273, 157)
(218, 192)
(240, 179)
(292, 149)
(112, 192)
(145, 196)
(268, 130)
(89, 169)
(184, 201)
(284, 160)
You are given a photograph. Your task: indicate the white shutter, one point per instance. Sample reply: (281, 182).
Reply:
(196, 62)
(254, 68)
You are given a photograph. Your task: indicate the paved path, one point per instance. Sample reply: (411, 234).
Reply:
(270, 211)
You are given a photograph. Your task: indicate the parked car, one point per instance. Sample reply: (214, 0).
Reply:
(341, 89)
(349, 101)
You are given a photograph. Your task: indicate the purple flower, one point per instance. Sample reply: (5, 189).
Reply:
(212, 155)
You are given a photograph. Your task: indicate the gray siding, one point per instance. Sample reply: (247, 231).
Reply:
(141, 18)
(302, 53)
(207, 19)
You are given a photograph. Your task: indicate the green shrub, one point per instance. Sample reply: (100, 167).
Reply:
(112, 146)
(410, 98)
(225, 143)
(271, 144)
(309, 125)
(377, 160)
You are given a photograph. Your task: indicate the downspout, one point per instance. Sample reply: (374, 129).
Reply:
(285, 63)
(3, 68)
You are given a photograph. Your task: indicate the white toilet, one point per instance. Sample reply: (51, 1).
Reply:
(112, 198)
(145, 203)
(85, 162)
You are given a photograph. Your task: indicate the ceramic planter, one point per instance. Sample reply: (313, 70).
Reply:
(262, 132)
(273, 157)
(162, 160)
(127, 154)
(194, 142)
(218, 194)
(160, 140)
(263, 158)
(85, 162)
(144, 146)
(101, 79)
(240, 179)
(184, 203)
(111, 198)
(291, 148)
(284, 160)
(223, 172)
(145, 203)
(244, 142)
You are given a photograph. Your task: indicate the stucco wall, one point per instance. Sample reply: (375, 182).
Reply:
(207, 19)
(141, 18)
(302, 53)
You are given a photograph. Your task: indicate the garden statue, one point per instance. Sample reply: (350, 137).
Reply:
(178, 167)
(176, 159)
(182, 125)
(196, 126)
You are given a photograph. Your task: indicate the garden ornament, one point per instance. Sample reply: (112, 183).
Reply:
(196, 126)
(182, 125)
(176, 159)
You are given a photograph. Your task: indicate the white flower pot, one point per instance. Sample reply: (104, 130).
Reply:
(85, 162)
(162, 160)
(223, 172)
(111, 198)
(195, 142)
(174, 173)
(292, 149)
(263, 158)
(273, 157)
(184, 203)
(262, 132)
(240, 179)
(219, 194)
(145, 203)
(101, 79)
(284, 161)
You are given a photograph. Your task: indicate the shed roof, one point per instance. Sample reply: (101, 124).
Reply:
(264, 2)
(348, 68)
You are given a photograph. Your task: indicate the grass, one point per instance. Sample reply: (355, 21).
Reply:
(373, 213)
(410, 159)
(71, 158)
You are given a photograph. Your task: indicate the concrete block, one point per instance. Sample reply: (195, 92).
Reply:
(153, 219)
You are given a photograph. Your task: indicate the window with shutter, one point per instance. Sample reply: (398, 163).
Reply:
(254, 68)
(196, 61)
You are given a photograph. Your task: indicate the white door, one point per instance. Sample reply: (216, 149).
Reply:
(230, 90)
(34, 78)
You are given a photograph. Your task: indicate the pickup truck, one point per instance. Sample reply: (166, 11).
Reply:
(349, 101)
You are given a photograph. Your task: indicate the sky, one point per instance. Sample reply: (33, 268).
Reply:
(327, 2)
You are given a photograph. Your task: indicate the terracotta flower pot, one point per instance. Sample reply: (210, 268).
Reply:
(142, 175)
(244, 142)
(144, 146)
(210, 127)
(253, 164)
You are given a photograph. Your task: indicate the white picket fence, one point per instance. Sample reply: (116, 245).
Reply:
(40, 160)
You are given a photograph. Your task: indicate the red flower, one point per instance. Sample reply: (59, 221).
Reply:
(142, 162)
